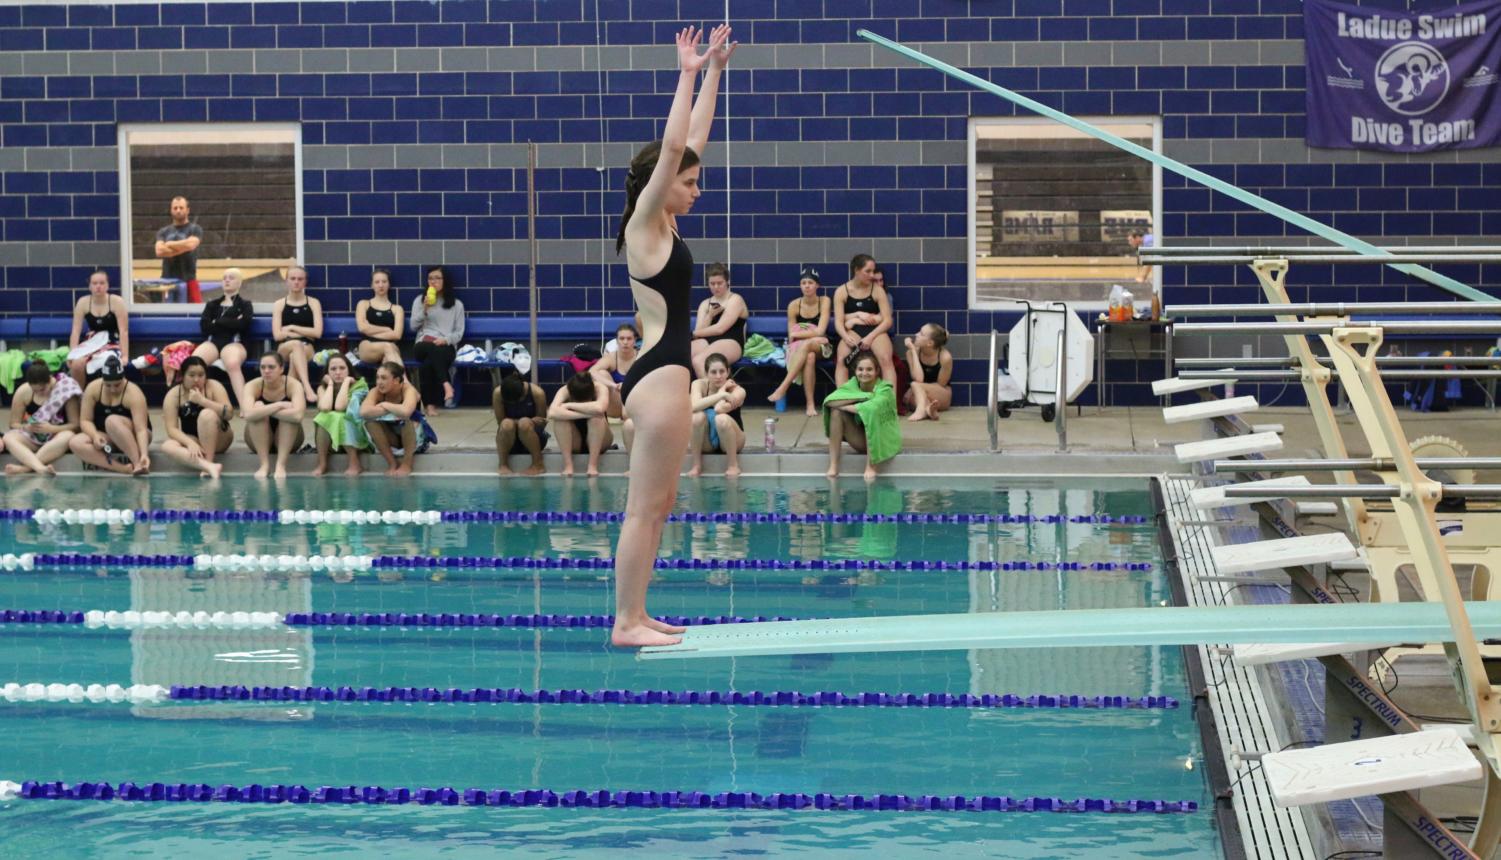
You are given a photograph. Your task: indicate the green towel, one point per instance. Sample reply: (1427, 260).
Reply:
(53, 358)
(757, 346)
(346, 428)
(10, 369)
(877, 411)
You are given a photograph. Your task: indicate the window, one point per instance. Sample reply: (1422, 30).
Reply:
(241, 184)
(1052, 210)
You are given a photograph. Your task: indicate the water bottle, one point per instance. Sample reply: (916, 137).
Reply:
(771, 435)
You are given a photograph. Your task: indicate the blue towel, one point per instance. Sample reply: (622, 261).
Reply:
(709, 415)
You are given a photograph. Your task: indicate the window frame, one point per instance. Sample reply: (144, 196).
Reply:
(972, 200)
(194, 132)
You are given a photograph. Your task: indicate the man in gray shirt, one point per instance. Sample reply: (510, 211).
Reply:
(177, 248)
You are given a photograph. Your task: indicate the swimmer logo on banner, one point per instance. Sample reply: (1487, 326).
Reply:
(1403, 81)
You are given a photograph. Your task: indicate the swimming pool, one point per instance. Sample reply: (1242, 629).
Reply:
(1115, 753)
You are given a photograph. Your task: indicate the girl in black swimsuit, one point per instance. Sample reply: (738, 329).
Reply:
(381, 321)
(721, 321)
(662, 184)
(196, 413)
(807, 324)
(296, 325)
(862, 316)
(225, 324)
(929, 393)
(273, 423)
(99, 311)
(717, 425)
(117, 446)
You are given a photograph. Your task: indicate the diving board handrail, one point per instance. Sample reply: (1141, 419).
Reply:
(1373, 464)
(1364, 491)
(1333, 309)
(1437, 327)
(1276, 210)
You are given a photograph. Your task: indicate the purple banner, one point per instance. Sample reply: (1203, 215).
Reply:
(1402, 81)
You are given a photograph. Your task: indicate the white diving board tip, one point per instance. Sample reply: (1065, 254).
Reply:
(1178, 385)
(1208, 409)
(1283, 552)
(1230, 446)
(1205, 498)
(1371, 766)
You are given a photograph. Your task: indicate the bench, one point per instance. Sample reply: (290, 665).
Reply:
(558, 333)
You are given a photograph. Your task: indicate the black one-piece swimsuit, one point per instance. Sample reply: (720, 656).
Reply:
(674, 284)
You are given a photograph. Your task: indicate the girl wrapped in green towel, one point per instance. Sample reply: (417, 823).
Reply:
(333, 425)
(862, 412)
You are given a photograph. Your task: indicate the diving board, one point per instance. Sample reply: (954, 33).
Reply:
(1084, 628)
(1283, 552)
(1208, 409)
(1370, 766)
(1230, 446)
(1205, 498)
(1178, 385)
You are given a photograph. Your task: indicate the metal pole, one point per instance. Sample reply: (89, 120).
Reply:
(1361, 491)
(1334, 309)
(531, 239)
(990, 396)
(1228, 364)
(1436, 327)
(1190, 250)
(1280, 375)
(1377, 464)
(1335, 259)
(1060, 399)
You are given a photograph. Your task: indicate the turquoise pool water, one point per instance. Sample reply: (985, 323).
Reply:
(1137, 754)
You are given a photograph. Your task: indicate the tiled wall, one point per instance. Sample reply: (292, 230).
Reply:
(415, 117)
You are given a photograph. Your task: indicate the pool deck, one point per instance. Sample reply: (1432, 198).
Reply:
(1121, 440)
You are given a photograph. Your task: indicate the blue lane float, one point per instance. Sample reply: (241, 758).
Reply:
(158, 792)
(406, 562)
(546, 517)
(748, 698)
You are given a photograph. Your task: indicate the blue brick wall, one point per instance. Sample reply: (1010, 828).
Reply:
(1241, 114)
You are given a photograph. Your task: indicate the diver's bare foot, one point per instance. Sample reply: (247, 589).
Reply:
(663, 627)
(280, 473)
(402, 471)
(777, 395)
(15, 469)
(262, 472)
(138, 469)
(49, 470)
(504, 471)
(320, 470)
(638, 636)
(870, 473)
(732, 472)
(695, 471)
(354, 469)
(811, 411)
(832, 473)
(932, 414)
(535, 469)
(568, 471)
(592, 471)
(916, 416)
(214, 470)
